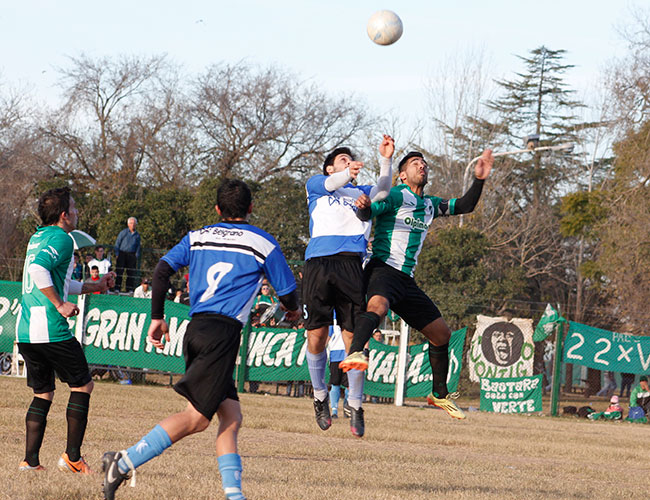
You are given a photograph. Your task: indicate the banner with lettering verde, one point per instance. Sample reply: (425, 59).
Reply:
(605, 350)
(512, 395)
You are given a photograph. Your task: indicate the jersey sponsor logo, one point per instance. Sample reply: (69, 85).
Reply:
(416, 223)
(346, 202)
(222, 231)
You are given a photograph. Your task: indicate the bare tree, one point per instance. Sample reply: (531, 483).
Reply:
(257, 123)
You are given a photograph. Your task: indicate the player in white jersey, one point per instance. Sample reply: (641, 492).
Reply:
(227, 262)
(333, 277)
(42, 331)
(402, 222)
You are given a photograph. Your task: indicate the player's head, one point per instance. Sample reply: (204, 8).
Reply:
(57, 206)
(413, 169)
(234, 199)
(337, 161)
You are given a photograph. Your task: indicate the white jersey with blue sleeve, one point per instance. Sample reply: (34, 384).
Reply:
(227, 264)
(333, 224)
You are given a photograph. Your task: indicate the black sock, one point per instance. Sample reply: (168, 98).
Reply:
(77, 417)
(439, 360)
(367, 322)
(35, 422)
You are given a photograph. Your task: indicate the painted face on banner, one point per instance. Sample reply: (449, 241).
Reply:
(502, 343)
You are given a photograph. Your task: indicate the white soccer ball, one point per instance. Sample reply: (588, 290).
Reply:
(385, 27)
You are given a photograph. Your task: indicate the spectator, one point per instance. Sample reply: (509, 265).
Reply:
(641, 395)
(100, 261)
(94, 278)
(613, 412)
(610, 385)
(86, 269)
(78, 269)
(627, 379)
(127, 250)
(264, 300)
(144, 290)
(378, 336)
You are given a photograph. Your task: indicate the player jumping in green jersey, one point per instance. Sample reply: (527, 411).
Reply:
(43, 333)
(402, 222)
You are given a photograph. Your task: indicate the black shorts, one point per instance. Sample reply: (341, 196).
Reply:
(210, 348)
(334, 282)
(66, 358)
(337, 376)
(403, 294)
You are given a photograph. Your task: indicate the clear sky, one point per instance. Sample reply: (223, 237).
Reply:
(321, 40)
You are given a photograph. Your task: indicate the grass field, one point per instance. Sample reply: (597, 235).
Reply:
(411, 452)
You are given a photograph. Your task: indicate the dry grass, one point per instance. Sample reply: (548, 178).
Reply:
(411, 452)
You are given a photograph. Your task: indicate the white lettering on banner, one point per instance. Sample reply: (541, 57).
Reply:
(176, 335)
(4, 308)
(527, 406)
(258, 347)
(107, 321)
(415, 367)
(454, 365)
(625, 353)
(119, 335)
(519, 385)
(303, 352)
(91, 329)
(608, 346)
(136, 327)
(267, 359)
(285, 352)
(385, 369)
(373, 362)
(623, 337)
(581, 341)
(645, 362)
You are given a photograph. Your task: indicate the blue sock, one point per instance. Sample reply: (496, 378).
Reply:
(355, 380)
(150, 446)
(317, 364)
(345, 396)
(230, 469)
(335, 395)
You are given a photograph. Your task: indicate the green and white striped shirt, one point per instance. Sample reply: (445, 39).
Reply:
(39, 322)
(401, 225)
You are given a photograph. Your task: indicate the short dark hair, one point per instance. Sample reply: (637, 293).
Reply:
(329, 159)
(98, 247)
(52, 204)
(233, 199)
(94, 267)
(412, 154)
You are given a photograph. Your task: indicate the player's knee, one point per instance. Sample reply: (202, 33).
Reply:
(198, 423)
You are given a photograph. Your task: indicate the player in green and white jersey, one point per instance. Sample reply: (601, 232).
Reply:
(402, 222)
(44, 337)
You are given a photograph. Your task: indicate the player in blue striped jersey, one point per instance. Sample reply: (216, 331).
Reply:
(333, 278)
(227, 263)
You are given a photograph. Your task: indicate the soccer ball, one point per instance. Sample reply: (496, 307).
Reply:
(385, 27)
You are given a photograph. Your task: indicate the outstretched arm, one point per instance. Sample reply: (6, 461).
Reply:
(386, 150)
(340, 179)
(468, 201)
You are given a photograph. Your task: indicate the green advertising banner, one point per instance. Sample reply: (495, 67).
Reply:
(116, 333)
(512, 395)
(10, 295)
(605, 350)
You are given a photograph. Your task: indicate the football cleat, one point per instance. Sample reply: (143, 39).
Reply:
(322, 411)
(113, 477)
(78, 467)
(24, 466)
(346, 409)
(446, 404)
(354, 361)
(357, 425)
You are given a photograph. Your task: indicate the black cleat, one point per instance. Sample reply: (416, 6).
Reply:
(346, 409)
(357, 425)
(322, 411)
(113, 478)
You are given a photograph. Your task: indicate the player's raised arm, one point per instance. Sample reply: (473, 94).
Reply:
(468, 201)
(386, 150)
